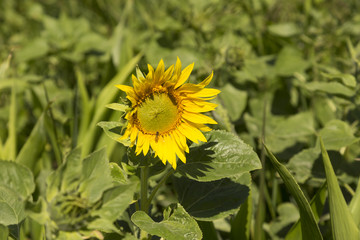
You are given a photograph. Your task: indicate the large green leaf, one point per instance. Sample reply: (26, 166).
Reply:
(11, 207)
(17, 177)
(310, 229)
(342, 222)
(177, 224)
(224, 155)
(209, 201)
(337, 134)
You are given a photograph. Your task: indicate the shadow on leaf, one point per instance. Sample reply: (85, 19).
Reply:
(198, 161)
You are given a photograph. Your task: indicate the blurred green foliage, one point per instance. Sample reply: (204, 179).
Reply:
(288, 71)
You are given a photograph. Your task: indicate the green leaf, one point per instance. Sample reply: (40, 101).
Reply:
(116, 200)
(282, 133)
(4, 232)
(104, 225)
(337, 134)
(177, 224)
(301, 164)
(342, 223)
(34, 49)
(241, 223)
(287, 214)
(113, 129)
(234, 100)
(224, 155)
(117, 107)
(208, 230)
(86, 104)
(96, 176)
(34, 145)
(71, 171)
(12, 210)
(310, 229)
(317, 204)
(284, 29)
(38, 211)
(117, 173)
(289, 61)
(17, 177)
(355, 205)
(69, 236)
(348, 79)
(209, 201)
(330, 87)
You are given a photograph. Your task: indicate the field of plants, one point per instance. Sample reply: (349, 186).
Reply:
(194, 119)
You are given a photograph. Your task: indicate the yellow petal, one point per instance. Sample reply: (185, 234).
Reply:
(146, 144)
(181, 140)
(197, 118)
(159, 72)
(191, 106)
(206, 92)
(195, 132)
(206, 81)
(168, 73)
(133, 134)
(150, 74)
(125, 88)
(189, 88)
(177, 67)
(184, 75)
(188, 132)
(200, 126)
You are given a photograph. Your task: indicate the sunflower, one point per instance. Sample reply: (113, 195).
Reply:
(165, 111)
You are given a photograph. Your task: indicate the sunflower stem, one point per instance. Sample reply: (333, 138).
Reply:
(162, 181)
(144, 174)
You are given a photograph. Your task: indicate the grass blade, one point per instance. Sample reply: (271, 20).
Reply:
(317, 205)
(342, 223)
(34, 145)
(355, 205)
(309, 229)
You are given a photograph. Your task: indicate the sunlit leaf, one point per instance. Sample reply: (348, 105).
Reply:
(12, 209)
(17, 177)
(177, 224)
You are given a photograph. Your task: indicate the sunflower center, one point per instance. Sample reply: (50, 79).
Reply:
(158, 113)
